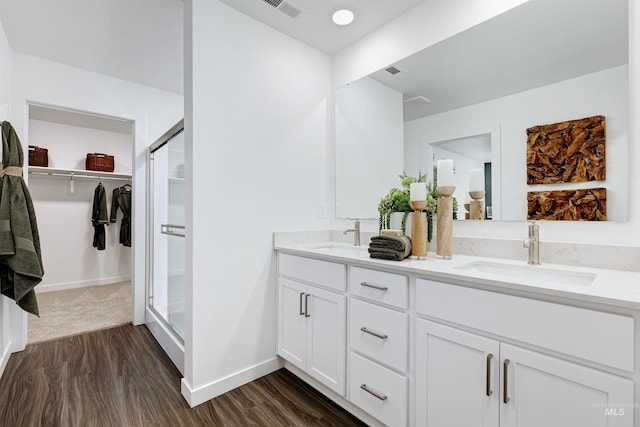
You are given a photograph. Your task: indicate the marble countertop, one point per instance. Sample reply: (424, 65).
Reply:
(612, 287)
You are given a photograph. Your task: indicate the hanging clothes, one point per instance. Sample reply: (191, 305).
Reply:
(99, 217)
(21, 266)
(122, 199)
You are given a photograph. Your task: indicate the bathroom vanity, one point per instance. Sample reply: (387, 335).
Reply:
(464, 342)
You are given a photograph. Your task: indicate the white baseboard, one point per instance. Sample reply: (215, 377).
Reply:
(195, 397)
(6, 353)
(81, 284)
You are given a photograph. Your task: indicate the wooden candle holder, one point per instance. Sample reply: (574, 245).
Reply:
(418, 229)
(476, 205)
(444, 242)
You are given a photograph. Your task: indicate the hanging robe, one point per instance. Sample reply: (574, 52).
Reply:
(121, 198)
(99, 217)
(21, 266)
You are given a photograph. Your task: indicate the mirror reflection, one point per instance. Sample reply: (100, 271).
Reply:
(485, 87)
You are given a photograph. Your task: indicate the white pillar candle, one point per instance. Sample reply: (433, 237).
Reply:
(418, 191)
(445, 173)
(476, 179)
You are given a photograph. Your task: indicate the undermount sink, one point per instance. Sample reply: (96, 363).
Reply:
(341, 249)
(548, 275)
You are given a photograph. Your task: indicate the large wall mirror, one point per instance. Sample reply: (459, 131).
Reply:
(471, 97)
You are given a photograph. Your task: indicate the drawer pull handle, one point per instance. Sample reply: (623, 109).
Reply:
(505, 369)
(306, 306)
(374, 286)
(374, 333)
(489, 392)
(373, 392)
(301, 308)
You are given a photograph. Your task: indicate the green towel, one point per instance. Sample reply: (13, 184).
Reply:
(20, 257)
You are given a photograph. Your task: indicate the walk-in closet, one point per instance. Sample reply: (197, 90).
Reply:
(84, 219)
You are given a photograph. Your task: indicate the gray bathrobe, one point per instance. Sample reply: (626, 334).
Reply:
(20, 257)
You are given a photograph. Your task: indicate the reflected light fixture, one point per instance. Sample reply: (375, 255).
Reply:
(343, 17)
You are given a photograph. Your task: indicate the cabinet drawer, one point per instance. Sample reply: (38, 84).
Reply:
(588, 334)
(328, 274)
(385, 396)
(379, 333)
(378, 286)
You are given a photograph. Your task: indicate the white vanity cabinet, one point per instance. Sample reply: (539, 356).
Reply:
(457, 377)
(406, 344)
(379, 341)
(312, 320)
(500, 384)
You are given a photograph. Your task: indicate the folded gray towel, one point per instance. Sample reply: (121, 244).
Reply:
(390, 242)
(389, 247)
(388, 254)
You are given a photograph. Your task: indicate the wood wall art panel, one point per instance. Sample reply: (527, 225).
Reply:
(568, 205)
(571, 151)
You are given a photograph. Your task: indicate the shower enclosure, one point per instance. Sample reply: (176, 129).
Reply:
(165, 315)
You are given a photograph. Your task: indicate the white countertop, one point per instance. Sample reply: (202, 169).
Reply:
(612, 287)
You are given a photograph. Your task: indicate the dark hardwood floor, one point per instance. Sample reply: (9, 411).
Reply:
(121, 377)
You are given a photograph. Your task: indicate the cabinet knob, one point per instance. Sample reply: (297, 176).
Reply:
(374, 286)
(306, 306)
(489, 392)
(301, 308)
(505, 370)
(380, 335)
(373, 392)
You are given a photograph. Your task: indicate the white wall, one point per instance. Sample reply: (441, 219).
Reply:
(370, 128)
(153, 111)
(6, 62)
(602, 93)
(64, 220)
(433, 21)
(256, 123)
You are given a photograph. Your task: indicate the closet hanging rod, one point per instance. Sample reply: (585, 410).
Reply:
(74, 175)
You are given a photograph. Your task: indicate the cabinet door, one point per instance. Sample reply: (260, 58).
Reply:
(541, 390)
(457, 378)
(326, 338)
(292, 325)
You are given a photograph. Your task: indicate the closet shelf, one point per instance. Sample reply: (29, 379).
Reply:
(78, 173)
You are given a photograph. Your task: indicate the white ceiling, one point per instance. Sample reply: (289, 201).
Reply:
(314, 26)
(135, 40)
(77, 118)
(142, 40)
(536, 44)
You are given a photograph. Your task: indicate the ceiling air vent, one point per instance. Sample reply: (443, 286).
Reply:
(286, 6)
(392, 70)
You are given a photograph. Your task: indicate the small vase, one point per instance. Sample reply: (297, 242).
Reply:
(396, 222)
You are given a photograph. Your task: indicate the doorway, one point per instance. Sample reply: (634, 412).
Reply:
(84, 288)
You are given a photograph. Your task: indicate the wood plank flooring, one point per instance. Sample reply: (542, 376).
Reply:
(121, 377)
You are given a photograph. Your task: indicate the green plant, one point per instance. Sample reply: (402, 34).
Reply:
(397, 200)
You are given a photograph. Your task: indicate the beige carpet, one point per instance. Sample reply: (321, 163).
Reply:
(75, 311)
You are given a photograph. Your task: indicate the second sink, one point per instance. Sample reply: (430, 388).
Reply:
(548, 275)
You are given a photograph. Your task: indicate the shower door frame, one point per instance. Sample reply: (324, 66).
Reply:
(162, 331)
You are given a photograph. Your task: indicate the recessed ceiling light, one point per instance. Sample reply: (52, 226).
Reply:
(343, 17)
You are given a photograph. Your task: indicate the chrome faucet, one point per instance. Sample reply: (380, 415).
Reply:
(533, 243)
(356, 232)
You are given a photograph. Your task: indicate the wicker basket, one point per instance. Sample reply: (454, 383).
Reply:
(38, 156)
(100, 162)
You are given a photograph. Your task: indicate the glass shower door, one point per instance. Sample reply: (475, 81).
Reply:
(166, 298)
